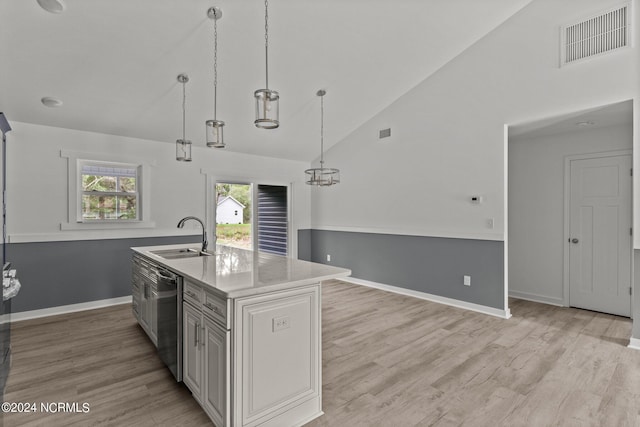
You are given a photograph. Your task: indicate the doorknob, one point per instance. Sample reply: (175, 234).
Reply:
(574, 240)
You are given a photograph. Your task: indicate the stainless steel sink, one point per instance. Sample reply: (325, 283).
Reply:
(180, 253)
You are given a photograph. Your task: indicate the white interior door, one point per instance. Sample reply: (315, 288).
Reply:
(600, 234)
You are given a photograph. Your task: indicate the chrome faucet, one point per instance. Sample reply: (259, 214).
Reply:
(204, 230)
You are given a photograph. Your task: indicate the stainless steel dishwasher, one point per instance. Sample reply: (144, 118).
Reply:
(169, 309)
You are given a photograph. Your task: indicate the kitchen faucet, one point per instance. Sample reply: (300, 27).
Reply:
(204, 230)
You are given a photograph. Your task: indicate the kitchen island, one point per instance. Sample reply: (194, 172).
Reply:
(249, 329)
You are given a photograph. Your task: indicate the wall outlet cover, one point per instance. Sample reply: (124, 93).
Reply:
(280, 323)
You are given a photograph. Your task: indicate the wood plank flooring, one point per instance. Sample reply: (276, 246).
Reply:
(388, 360)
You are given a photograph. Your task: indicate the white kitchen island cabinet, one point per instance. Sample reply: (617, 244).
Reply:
(277, 358)
(251, 335)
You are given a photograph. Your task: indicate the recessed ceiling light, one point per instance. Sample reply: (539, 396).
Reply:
(586, 123)
(53, 6)
(49, 101)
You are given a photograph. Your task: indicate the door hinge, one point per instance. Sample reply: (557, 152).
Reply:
(631, 172)
(630, 291)
(631, 231)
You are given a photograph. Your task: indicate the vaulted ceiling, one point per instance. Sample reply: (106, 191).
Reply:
(114, 63)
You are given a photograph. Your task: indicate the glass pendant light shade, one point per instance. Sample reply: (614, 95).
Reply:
(183, 150)
(267, 109)
(215, 133)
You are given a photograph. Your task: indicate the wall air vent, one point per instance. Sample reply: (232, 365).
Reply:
(384, 133)
(594, 36)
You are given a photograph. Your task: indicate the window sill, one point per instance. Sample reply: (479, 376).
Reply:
(75, 226)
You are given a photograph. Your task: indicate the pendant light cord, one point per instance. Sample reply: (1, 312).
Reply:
(215, 69)
(322, 131)
(266, 41)
(184, 106)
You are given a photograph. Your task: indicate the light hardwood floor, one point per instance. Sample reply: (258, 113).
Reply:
(388, 360)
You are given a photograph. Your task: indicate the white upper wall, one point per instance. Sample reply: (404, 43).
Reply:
(37, 182)
(448, 140)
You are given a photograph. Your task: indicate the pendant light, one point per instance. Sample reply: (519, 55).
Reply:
(267, 101)
(183, 146)
(215, 127)
(322, 177)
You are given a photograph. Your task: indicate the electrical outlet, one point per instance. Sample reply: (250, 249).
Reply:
(490, 223)
(467, 280)
(280, 323)
(328, 258)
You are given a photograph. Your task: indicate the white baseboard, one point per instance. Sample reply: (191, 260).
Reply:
(72, 308)
(504, 314)
(634, 343)
(536, 298)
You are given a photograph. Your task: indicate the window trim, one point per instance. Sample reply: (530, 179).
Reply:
(75, 160)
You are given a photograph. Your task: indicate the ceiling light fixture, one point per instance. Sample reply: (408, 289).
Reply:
(51, 102)
(53, 6)
(322, 177)
(586, 123)
(215, 127)
(267, 101)
(183, 146)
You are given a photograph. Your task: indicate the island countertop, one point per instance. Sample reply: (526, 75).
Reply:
(234, 272)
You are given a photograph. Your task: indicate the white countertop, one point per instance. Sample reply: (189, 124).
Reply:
(238, 272)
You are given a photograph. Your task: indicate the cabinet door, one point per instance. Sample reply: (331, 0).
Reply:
(215, 372)
(191, 354)
(277, 360)
(135, 296)
(153, 316)
(145, 305)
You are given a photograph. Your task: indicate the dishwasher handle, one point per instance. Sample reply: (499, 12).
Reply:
(167, 276)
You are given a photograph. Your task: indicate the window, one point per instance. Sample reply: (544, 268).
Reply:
(109, 192)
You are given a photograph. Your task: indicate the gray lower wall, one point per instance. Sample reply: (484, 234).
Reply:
(304, 245)
(427, 264)
(61, 273)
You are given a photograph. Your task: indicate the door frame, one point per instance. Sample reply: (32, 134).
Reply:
(567, 215)
(211, 178)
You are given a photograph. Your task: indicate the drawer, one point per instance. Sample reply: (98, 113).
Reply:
(136, 283)
(215, 307)
(192, 293)
(143, 268)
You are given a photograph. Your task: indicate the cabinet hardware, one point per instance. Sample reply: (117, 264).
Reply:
(211, 306)
(195, 344)
(203, 337)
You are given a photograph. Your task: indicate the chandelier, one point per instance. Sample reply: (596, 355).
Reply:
(183, 146)
(215, 127)
(322, 177)
(267, 107)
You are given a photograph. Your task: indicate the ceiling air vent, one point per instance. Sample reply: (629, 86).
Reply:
(603, 33)
(384, 133)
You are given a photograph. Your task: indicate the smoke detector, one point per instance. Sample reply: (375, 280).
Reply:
(51, 102)
(53, 6)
